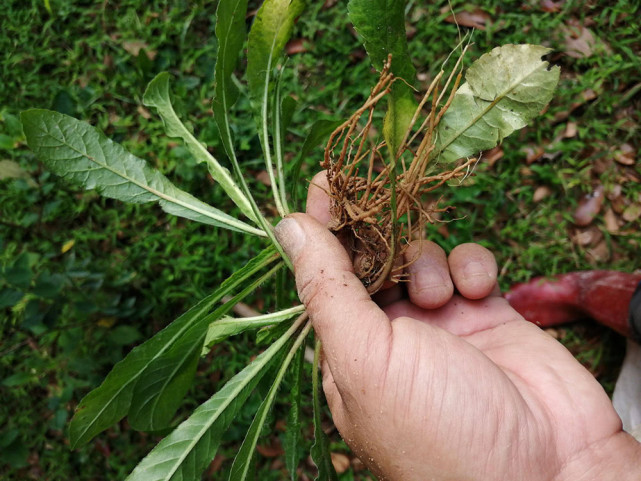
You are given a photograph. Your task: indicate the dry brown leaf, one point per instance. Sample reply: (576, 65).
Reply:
(541, 193)
(589, 206)
(296, 45)
(600, 253)
(491, 156)
(532, 153)
(135, 46)
(340, 462)
(579, 41)
(550, 6)
(571, 130)
(474, 18)
(626, 155)
(144, 113)
(263, 178)
(271, 450)
(611, 220)
(632, 213)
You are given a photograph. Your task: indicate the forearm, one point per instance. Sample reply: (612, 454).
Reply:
(616, 459)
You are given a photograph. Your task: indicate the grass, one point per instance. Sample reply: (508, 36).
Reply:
(84, 278)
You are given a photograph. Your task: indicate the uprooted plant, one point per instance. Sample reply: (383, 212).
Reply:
(377, 183)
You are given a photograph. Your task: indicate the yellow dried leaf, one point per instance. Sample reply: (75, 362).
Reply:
(66, 247)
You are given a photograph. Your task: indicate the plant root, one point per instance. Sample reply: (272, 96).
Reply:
(376, 195)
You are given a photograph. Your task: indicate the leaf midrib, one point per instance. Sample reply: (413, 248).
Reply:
(490, 106)
(231, 221)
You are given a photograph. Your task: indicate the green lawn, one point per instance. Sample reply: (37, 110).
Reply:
(83, 278)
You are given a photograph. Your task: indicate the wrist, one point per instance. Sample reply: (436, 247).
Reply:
(617, 458)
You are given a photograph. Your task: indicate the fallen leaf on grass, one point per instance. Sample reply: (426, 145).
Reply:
(625, 155)
(600, 253)
(541, 193)
(271, 450)
(340, 462)
(295, 46)
(474, 17)
(135, 46)
(611, 221)
(632, 213)
(589, 206)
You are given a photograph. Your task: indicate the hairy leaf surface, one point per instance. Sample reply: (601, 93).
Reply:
(157, 96)
(381, 24)
(187, 451)
(504, 90)
(111, 401)
(78, 152)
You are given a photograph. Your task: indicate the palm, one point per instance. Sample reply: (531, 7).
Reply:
(499, 381)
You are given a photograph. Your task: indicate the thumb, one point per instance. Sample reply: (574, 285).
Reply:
(355, 332)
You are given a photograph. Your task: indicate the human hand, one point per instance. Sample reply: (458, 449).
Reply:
(444, 385)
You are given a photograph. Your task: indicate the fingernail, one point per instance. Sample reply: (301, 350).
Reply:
(290, 235)
(475, 269)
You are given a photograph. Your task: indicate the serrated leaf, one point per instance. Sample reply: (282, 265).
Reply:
(270, 32)
(242, 461)
(187, 451)
(157, 96)
(381, 24)
(78, 152)
(159, 392)
(111, 401)
(293, 434)
(504, 90)
(225, 327)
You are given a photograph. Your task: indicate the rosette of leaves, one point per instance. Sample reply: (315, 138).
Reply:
(503, 91)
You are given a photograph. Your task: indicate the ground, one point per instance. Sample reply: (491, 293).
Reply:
(83, 279)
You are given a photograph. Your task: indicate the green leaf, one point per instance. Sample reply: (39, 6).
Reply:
(320, 450)
(319, 131)
(187, 451)
(270, 32)
(229, 326)
(157, 96)
(230, 32)
(242, 461)
(159, 392)
(111, 401)
(293, 434)
(78, 152)
(504, 90)
(381, 24)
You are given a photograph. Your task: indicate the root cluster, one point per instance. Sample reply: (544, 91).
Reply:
(377, 195)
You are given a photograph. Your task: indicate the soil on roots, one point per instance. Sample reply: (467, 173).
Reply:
(377, 196)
